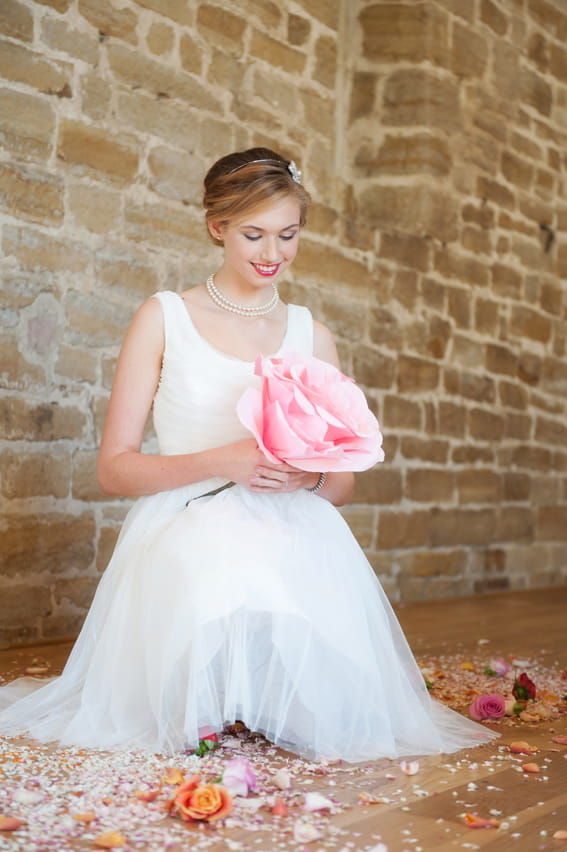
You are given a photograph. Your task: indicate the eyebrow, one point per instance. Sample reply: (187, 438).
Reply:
(257, 228)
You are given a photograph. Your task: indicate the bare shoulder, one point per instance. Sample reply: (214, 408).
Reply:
(324, 346)
(147, 325)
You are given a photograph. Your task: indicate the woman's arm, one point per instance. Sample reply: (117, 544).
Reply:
(122, 469)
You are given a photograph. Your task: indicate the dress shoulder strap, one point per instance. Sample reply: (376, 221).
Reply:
(299, 336)
(173, 318)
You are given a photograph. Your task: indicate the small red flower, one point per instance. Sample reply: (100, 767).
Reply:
(524, 688)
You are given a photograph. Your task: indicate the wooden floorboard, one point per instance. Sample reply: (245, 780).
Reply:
(411, 814)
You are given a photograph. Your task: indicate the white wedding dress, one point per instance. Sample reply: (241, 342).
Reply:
(235, 605)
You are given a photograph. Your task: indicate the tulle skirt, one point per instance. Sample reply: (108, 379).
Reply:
(239, 606)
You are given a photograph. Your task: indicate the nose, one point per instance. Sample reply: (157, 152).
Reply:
(270, 249)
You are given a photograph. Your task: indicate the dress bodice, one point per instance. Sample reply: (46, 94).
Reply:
(195, 404)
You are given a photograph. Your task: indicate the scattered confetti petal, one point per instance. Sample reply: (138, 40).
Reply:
(279, 807)
(409, 767)
(560, 835)
(522, 747)
(530, 767)
(10, 823)
(305, 832)
(282, 779)
(110, 840)
(474, 821)
(316, 802)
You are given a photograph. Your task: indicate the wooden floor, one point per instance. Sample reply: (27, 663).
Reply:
(408, 813)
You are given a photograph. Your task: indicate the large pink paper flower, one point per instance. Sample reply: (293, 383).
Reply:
(310, 415)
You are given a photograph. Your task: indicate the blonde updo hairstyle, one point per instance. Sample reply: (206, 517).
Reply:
(245, 181)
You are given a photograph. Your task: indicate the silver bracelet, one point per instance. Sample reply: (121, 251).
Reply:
(320, 483)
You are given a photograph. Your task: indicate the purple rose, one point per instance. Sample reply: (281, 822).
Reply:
(488, 707)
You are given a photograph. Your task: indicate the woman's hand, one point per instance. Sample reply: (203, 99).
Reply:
(244, 463)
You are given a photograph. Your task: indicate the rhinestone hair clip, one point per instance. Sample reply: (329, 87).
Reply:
(291, 167)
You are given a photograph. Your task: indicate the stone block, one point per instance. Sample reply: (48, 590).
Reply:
(416, 96)
(551, 431)
(75, 592)
(525, 322)
(393, 32)
(89, 149)
(21, 606)
(429, 485)
(487, 317)
(400, 413)
(512, 394)
(362, 522)
(317, 262)
(419, 210)
(179, 11)
(27, 125)
(275, 52)
(174, 174)
(424, 449)
(384, 329)
(319, 115)
(516, 170)
(345, 317)
(124, 269)
(35, 474)
(276, 94)
(406, 249)
(535, 91)
(468, 454)
(95, 96)
(16, 20)
(98, 320)
(403, 529)
(60, 6)
(421, 153)
(461, 527)
(433, 563)
(554, 377)
(433, 588)
(109, 20)
(517, 427)
(493, 17)
(466, 269)
(107, 539)
(506, 281)
(50, 542)
(163, 227)
(469, 51)
(362, 95)
(222, 27)
(57, 35)
(31, 194)
(22, 420)
(478, 387)
(77, 364)
(491, 190)
(482, 215)
(516, 487)
(85, 482)
(515, 524)
(37, 251)
(96, 208)
(380, 485)
(479, 486)
(428, 337)
(501, 359)
(416, 375)
(325, 70)
(404, 288)
(459, 304)
(163, 81)
(529, 368)
(485, 425)
(160, 39)
(476, 240)
(467, 352)
(21, 65)
(372, 368)
(170, 120)
(298, 30)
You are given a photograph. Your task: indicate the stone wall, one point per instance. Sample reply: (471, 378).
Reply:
(432, 136)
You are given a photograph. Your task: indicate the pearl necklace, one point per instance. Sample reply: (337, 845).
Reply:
(233, 307)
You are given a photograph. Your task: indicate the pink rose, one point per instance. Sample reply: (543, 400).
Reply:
(488, 707)
(239, 777)
(311, 416)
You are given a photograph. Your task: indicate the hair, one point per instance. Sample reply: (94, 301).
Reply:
(246, 180)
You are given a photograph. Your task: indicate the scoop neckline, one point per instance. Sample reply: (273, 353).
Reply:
(226, 355)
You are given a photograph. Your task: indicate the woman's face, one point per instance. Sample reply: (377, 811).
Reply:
(259, 247)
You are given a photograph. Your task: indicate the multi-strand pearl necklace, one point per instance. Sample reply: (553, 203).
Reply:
(233, 307)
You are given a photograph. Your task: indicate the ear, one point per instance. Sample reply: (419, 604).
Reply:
(215, 230)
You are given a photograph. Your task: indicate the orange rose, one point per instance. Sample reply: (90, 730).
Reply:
(196, 801)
